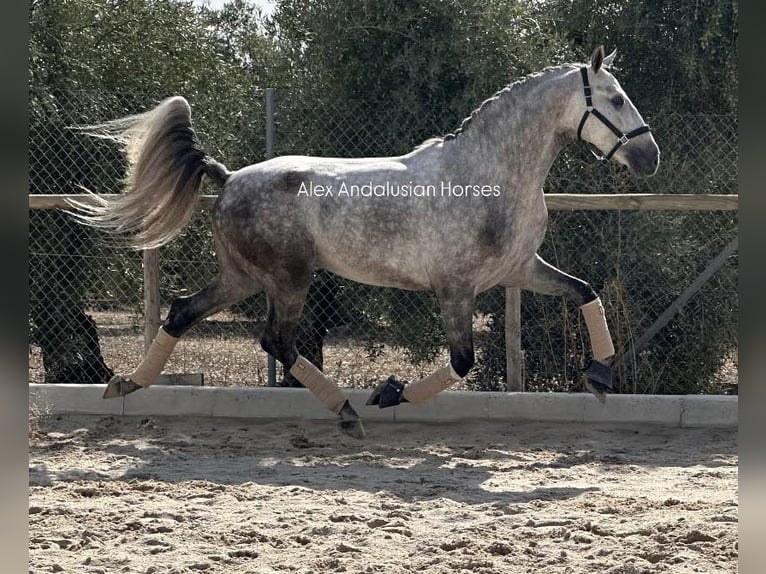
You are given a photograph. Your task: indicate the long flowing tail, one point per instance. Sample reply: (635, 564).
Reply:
(165, 167)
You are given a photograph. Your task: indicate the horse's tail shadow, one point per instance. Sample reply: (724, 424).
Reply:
(165, 167)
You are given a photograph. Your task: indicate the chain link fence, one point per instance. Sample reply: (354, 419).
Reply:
(86, 315)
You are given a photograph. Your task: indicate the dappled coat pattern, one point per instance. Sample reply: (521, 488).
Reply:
(457, 215)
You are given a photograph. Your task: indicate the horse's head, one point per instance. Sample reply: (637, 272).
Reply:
(608, 120)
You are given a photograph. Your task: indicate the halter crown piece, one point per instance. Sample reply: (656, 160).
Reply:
(622, 137)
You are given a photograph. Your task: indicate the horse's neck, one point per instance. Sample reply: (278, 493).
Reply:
(514, 141)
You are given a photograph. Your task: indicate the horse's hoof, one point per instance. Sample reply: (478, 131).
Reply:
(599, 379)
(599, 393)
(350, 423)
(354, 429)
(119, 386)
(387, 394)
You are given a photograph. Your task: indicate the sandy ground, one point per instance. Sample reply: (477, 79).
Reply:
(171, 496)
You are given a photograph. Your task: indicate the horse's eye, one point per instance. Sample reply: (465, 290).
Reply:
(618, 101)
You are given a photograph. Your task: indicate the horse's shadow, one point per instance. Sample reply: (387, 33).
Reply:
(405, 461)
(432, 476)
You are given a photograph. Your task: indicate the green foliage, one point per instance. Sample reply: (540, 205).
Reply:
(424, 65)
(639, 263)
(679, 55)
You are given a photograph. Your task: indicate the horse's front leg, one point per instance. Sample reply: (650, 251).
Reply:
(541, 277)
(457, 315)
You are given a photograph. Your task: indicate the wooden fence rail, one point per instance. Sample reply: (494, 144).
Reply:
(554, 201)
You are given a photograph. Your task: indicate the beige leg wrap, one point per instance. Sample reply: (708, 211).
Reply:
(314, 380)
(431, 385)
(152, 365)
(600, 339)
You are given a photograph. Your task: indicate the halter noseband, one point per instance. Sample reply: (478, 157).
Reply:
(622, 138)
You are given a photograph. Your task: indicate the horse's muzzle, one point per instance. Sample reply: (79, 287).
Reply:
(642, 161)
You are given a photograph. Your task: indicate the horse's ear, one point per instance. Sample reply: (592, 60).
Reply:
(609, 60)
(597, 59)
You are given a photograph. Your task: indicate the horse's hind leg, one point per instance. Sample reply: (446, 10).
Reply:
(279, 340)
(457, 316)
(184, 313)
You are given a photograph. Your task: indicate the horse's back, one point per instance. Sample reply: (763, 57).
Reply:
(292, 204)
(323, 207)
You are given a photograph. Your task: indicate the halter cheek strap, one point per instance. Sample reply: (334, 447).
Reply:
(622, 137)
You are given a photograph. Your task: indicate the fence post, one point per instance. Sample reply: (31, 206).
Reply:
(514, 380)
(152, 320)
(271, 363)
(270, 124)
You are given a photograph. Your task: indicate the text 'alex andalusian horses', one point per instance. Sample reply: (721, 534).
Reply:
(457, 215)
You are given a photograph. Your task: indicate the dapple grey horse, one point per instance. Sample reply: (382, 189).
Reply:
(457, 215)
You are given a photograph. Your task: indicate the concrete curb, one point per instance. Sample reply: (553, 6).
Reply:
(278, 403)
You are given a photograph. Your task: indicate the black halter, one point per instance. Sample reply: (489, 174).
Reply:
(622, 138)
